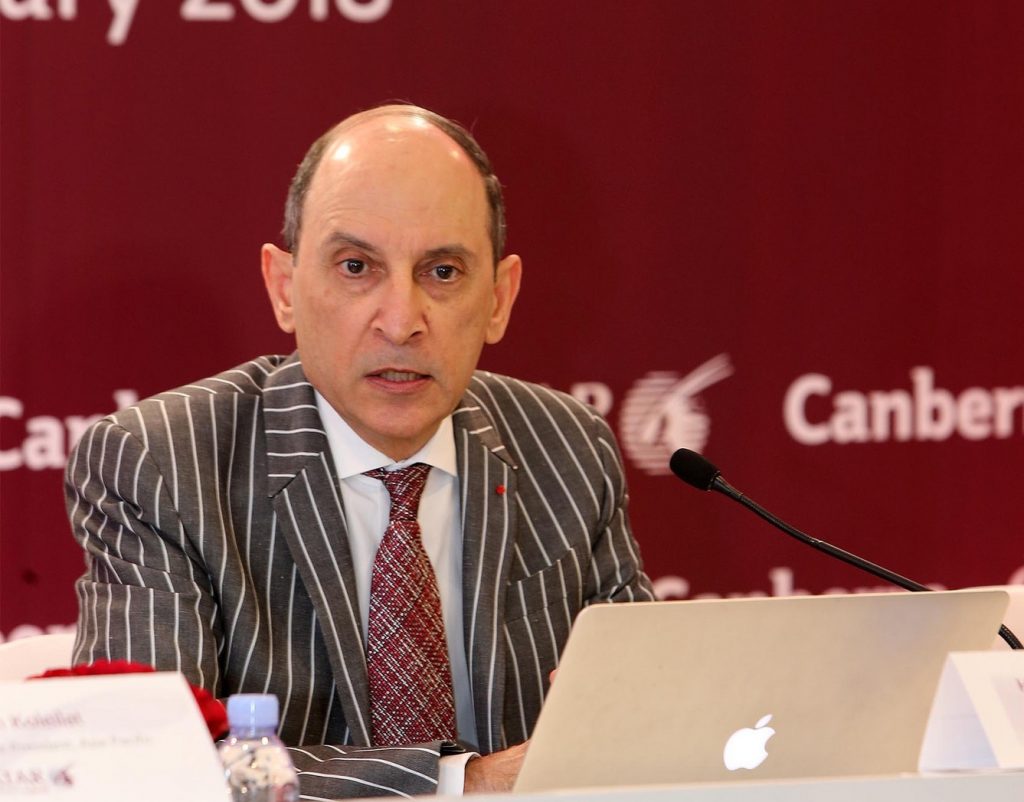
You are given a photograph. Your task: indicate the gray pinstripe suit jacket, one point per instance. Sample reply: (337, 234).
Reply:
(216, 545)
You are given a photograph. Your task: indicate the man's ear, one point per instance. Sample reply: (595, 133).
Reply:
(277, 276)
(506, 287)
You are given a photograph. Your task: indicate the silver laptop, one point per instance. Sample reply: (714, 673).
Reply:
(697, 691)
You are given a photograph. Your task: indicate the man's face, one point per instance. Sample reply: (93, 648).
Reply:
(394, 292)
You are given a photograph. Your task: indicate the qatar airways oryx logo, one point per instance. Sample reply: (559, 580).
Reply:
(663, 412)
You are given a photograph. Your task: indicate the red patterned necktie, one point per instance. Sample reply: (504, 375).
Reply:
(411, 699)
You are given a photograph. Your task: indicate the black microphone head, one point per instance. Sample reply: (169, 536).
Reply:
(693, 469)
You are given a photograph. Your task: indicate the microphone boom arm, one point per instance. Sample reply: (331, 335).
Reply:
(722, 486)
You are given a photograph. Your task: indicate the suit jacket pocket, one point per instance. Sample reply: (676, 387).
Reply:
(554, 590)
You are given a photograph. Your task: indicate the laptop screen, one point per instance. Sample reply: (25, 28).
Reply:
(695, 691)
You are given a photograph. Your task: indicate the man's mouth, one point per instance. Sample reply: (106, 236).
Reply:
(399, 375)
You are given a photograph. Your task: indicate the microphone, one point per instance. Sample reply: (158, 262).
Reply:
(699, 472)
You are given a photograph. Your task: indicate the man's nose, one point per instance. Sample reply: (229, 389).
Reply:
(401, 315)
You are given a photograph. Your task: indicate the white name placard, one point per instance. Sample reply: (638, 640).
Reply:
(103, 738)
(977, 718)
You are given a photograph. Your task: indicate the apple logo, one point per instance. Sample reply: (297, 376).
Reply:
(745, 747)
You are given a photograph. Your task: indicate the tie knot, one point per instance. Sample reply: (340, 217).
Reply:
(405, 486)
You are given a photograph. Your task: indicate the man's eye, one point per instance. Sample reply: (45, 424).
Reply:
(444, 272)
(353, 266)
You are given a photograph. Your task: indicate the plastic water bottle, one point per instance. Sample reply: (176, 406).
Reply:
(256, 764)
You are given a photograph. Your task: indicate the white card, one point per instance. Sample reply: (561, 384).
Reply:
(103, 738)
(977, 718)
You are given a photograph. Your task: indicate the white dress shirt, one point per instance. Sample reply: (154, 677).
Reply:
(367, 507)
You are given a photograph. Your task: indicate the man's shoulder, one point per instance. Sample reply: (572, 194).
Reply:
(539, 428)
(249, 378)
(241, 386)
(514, 403)
(497, 387)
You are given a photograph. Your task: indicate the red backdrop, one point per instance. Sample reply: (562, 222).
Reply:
(786, 233)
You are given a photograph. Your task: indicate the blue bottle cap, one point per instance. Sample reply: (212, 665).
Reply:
(252, 711)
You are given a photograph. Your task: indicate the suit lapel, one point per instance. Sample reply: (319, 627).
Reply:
(307, 502)
(488, 487)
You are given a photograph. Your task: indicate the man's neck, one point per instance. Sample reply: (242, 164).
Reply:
(354, 455)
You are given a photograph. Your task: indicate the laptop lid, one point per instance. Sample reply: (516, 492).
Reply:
(811, 686)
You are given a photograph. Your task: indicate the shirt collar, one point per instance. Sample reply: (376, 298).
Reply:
(354, 456)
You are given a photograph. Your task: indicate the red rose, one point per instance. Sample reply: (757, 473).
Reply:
(212, 710)
(99, 667)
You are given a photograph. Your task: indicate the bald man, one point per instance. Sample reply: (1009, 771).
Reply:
(254, 530)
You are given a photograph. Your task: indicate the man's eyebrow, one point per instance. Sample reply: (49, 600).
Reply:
(452, 250)
(343, 239)
(338, 239)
